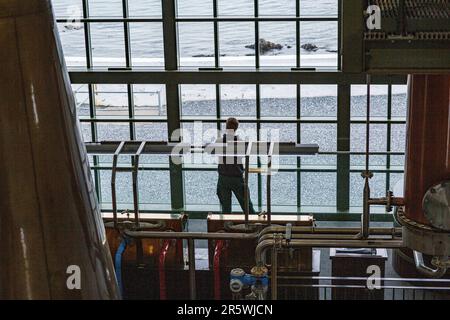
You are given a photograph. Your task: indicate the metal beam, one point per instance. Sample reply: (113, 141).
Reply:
(281, 76)
(321, 216)
(172, 98)
(352, 27)
(343, 145)
(167, 148)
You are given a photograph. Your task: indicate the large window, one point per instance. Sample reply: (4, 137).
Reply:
(210, 33)
(273, 64)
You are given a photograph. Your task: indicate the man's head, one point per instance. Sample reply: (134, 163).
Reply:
(232, 124)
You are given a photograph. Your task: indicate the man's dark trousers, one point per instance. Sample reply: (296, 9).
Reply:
(226, 186)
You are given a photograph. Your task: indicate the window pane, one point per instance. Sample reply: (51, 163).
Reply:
(326, 8)
(154, 159)
(73, 44)
(283, 132)
(108, 44)
(325, 135)
(236, 8)
(379, 101)
(113, 131)
(151, 131)
(277, 8)
(398, 161)
(284, 189)
(278, 100)
(199, 132)
(147, 48)
(70, 9)
(281, 49)
(141, 8)
(124, 190)
(200, 187)
(105, 8)
(238, 100)
(319, 160)
(318, 189)
(196, 44)
(81, 95)
(151, 192)
(399, 101)
(198, 100)
(398, 137)
(86, 132)
(150, 100)
(111, 100)
(194, 7)
(318, 100)
(395, 180)
(237, 44)
(319, 44)
(378, 137)
(374, 160)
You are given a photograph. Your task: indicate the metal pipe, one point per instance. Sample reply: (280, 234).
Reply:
(325, 237)
(135, 183)
(191, 255)
(254, 235)
(365, 217)
(299, 243)
(246, 185)
(316, 236)
(162, 270)
(299, 229)
(424, 269)
(320, 237)
(274, 274)
(395, 201)
(269, 184)
(216, 267)
(190, 235)
(113, 182)
(368, 80)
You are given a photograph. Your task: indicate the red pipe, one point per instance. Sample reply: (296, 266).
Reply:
(162, 270)
(216, 266)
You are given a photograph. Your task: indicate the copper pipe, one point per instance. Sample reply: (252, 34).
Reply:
(162, 270)
(192, 281)
(216, 267)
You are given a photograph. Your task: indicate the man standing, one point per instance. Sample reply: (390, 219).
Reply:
(231, 172)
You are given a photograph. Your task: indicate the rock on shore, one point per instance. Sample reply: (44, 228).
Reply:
(266, 46)
(309, 47)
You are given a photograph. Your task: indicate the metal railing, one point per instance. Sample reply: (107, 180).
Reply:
(356, 288)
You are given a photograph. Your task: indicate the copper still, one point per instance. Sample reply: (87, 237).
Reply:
(428, 140)
(51, 231)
